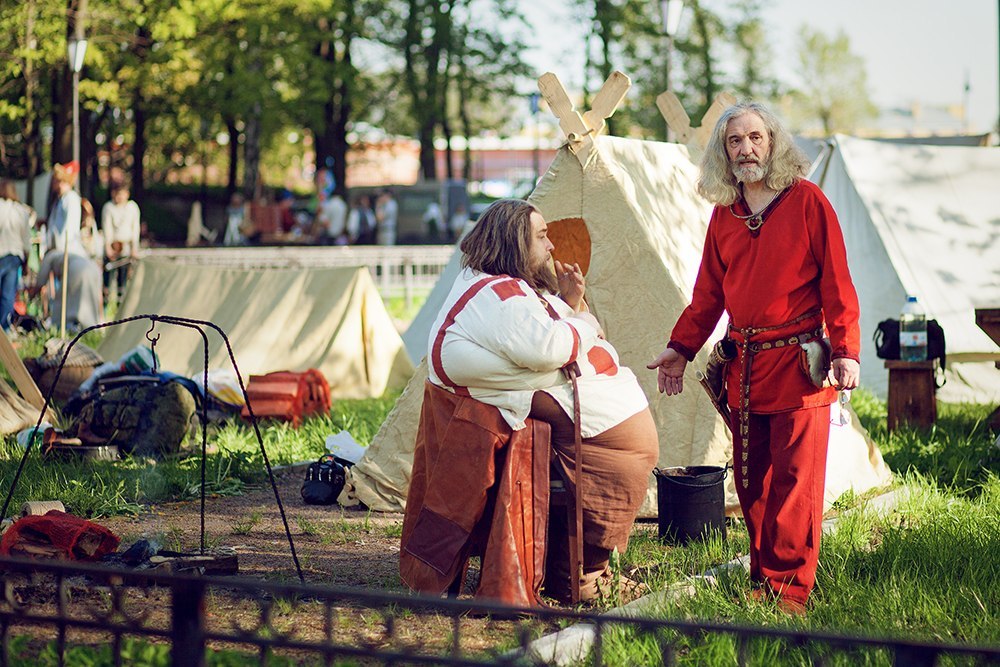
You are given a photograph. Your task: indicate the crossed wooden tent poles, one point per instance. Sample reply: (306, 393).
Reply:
(581, 128)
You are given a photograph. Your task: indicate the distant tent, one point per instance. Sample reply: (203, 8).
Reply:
(922, 220)
(275, 319)
(415, 336)
(634, 222)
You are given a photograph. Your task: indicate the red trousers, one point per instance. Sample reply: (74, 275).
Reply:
(782, 497)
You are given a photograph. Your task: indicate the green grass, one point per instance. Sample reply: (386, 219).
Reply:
(398, 310)
(957, 452)
(107, 488)
(927, 570)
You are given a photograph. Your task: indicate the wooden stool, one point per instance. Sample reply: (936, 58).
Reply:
(911, 394)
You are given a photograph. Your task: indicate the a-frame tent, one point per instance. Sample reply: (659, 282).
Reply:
(922, 220)
(630, 215)
(276, 319)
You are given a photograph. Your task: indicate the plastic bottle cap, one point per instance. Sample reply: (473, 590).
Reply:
(911, 299)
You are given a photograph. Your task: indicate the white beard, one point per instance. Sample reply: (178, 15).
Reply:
(749, 172)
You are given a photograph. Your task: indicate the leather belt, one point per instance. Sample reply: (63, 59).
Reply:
(750, 350)
(797, 339)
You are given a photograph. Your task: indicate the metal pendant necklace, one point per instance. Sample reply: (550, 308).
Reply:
(755, 221)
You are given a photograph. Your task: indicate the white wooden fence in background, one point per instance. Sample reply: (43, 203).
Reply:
(399, 271)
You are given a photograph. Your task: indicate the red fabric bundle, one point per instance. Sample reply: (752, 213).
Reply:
(58, 535)
(288, 395)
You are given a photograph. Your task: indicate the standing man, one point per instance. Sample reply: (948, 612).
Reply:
(16, 221)
(332, 219)
(775, 262)
(120, 224)
(386, 215)
(62, 228)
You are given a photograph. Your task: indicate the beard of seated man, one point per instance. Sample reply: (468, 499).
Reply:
(543, 278)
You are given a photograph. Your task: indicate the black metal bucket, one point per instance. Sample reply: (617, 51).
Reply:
(691, 502)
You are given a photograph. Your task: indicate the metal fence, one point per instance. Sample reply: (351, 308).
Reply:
(60, 609)
(399, 271)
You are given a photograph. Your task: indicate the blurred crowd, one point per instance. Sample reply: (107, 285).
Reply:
(328, 220)
(69, 263)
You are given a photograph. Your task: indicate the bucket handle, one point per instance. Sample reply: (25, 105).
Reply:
(676, 479)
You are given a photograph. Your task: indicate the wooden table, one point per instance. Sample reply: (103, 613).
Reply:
(988, 319)
(911, 394)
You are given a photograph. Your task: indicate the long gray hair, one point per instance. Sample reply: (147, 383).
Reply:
(787, 163)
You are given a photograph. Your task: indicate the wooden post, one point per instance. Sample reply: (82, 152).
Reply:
(695, 138)
(18, 372)
(580, 128)
(911, 394)
(988, 319)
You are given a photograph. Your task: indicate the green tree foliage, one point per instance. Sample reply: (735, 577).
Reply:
(834, 88)
(459, 60)
(753, 50)
(629, 35)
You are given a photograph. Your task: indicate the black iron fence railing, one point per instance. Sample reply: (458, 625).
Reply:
(51, 608)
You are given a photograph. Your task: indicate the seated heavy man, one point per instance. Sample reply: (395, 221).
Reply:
(507, 331)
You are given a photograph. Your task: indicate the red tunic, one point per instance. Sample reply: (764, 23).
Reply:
(797, 264)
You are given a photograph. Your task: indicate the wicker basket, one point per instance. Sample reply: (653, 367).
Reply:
(69, 380)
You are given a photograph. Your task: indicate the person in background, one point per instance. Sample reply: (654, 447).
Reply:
(332, 220)
(286, 216)
(62, 227)
(16, 221)
(361, 223)
(121, 225)
(84, 291)
(774, 260)
(456, 224)
(433, 222)
(235, 217)
(91, 237)
(386, 215)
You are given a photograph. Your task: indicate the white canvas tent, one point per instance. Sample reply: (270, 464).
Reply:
(276, 319)
(922, 220)
(632, 219)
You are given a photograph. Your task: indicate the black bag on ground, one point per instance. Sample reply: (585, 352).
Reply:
(886, 338)
(324, 480)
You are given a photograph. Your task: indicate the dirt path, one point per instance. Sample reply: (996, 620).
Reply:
(335, 546)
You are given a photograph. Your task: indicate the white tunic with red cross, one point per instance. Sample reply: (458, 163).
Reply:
(498, 341)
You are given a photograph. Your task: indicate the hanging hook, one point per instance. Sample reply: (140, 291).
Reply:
(152, 343)
(152, 325)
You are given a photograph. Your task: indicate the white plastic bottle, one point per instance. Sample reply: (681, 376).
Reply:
(912, 331)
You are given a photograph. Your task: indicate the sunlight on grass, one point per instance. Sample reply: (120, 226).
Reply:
(107, 488)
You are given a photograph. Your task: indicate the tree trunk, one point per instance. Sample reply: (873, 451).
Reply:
(62, 116)
(704, 53)
(331, 138)
(428, 165)
(251, 153)
(234, 157)
(139, 145)
(31, 157)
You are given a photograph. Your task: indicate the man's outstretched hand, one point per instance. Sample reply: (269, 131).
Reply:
(572, 285)
(669, 368)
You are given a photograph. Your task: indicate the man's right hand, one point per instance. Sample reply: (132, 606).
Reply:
(669, 368)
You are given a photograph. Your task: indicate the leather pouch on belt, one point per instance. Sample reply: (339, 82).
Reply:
(814, 360)
(714, 377)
